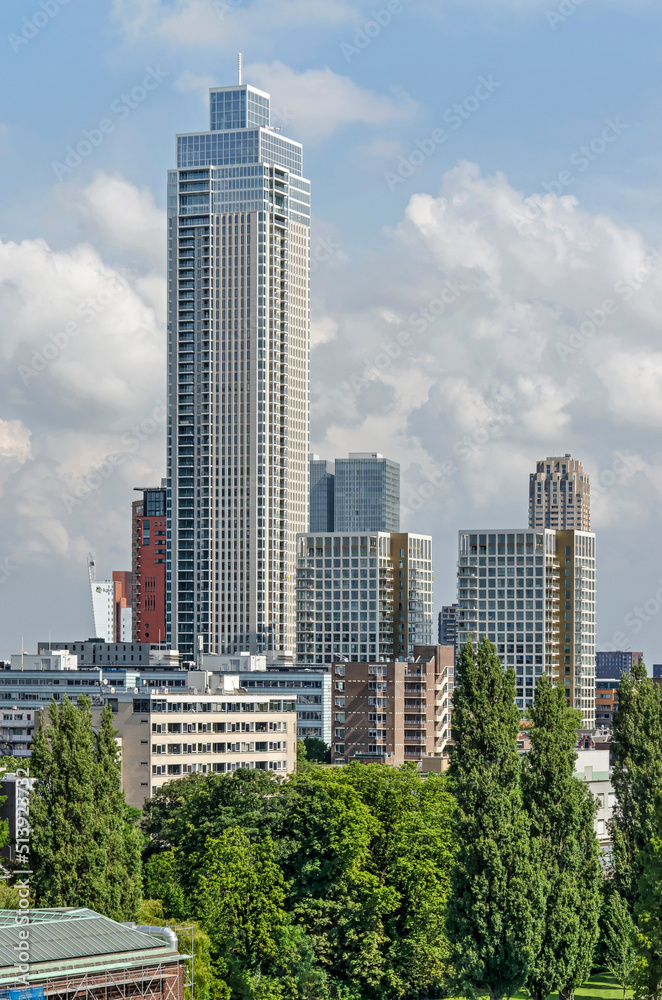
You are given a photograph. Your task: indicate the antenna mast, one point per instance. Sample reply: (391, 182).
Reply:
(240, 62)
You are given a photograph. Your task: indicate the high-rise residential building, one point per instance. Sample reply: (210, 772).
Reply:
(367, 493)
(364, 597)
(148, 557)
(560, 495)
(448, 625)
(613, 664)
(532, 593)
(322, 494)
(238, 351)
(393, 712)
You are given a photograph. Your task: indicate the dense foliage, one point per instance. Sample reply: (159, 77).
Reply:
(85, 851)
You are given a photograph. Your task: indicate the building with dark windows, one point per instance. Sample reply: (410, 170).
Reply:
(149, 556)
(615, 663)
(448, 625)
(322, 494)
(238, 355)
(367, 493)
(367, 597)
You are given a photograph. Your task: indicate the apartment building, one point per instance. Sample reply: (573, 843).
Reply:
(393, 712)
(532, 594)
(166, 736)
(560, 495)
(366, 597)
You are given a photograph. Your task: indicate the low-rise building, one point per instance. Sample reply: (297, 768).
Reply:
(74, 952)
(165, 736)
(393, 712)
(606, 700)
(592, 767)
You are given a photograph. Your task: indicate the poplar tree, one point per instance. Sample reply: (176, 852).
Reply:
(648, 975)
(562, 811)
(637, 775)
(494, 910)
(84, 851)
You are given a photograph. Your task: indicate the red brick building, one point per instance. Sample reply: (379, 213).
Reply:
(148, 556)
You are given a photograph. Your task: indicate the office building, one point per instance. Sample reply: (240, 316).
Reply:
(367, 494)
(393, 712)
(111, 605)
(75, 952)
(366, 597)
(238, 353)
(322, 494)
(615, 663)
(148, 565)
(312, 690)
(166, 736)
(448, 625)
(560, 495)
(532, 593)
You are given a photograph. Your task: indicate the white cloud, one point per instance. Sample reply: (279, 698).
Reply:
(317, 102)
(225, 24)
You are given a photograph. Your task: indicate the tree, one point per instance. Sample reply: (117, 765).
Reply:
(637, 775)
(494, 911)
(317, 751)
(562, 811)
(621, 946)
(648, 976)
(84, 850)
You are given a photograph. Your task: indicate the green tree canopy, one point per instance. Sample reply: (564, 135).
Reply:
(561, 810)
(494, 910)
(637, 775)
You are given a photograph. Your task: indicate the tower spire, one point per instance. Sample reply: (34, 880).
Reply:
(240, 63)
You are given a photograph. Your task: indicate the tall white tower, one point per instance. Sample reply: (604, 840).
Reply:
(238, 361)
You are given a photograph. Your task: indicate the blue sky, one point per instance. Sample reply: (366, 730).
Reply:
(560, 77)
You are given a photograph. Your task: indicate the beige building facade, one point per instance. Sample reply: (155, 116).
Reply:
(164, 736)
(560, 495)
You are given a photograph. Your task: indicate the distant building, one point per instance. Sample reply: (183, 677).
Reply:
(532, 593)
(615, 663)
(95, 653)
(448, 625)
(560, 495)
(322, 494)
(165, 736)
(111, 605)
(367, 493)
(364, 596)
(148, 556)
(657, 670)
(75, 952)
(592, 767)
(606, 700)
(393, 712)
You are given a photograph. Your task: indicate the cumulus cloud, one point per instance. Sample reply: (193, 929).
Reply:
(317, 102)
(224, 24)
(82, 381)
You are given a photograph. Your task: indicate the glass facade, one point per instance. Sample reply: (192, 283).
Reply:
(367, 494)
(238, 357)
(532, 594)
(321, 494)
(363, 597)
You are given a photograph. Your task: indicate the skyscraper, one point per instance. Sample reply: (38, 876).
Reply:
(367, 493)
(363, 597)
(448, 625)
(148, 564)
(238, 351)
(322, 494)
(532, 593)
(560, 495)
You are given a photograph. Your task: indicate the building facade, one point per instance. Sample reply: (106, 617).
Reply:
(615, 663)
(312, 690)
(532, 593)
(148, 565)
(560, 495)
(238, 353)
(448, 625)
(606, 700)
(367, 493)
(322, 494)
(393, 712)
(165, 736)
(367, 597)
